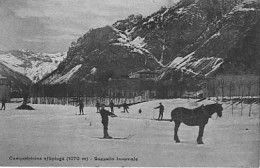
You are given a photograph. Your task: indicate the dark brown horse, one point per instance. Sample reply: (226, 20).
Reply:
(194, 117)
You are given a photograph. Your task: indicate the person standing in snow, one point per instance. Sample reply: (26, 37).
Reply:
(3, 104)
(104, 115)
(98, 106)
(81, 107)
(161, 110)
(111, 105)
(125, 106)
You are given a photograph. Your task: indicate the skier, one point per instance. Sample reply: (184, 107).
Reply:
(111, 104)
(81, 107)
(161, 110)
(125, 106)
(98, 106)
(104, 115)
(3, 104)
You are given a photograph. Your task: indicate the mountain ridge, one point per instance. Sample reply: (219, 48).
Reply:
(204, 34)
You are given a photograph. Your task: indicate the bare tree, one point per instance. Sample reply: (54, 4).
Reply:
(222, 85)
(230, 95)
(249, 86)
(242, 94)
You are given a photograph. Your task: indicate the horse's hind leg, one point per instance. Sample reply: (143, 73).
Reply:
(177, 125)
(201, 130)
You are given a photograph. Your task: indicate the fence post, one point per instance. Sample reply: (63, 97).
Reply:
(242, 95)
(250, 108)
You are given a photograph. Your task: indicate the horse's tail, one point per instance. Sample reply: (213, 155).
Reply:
(172, 113)
(175, 113)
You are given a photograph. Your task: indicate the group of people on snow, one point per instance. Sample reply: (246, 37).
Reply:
(105, 113)
(98, 106)
(111, 105)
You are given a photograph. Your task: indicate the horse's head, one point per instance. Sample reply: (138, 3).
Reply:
(213, 108)
(219, 109)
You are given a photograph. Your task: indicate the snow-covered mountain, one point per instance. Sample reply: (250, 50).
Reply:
(229, 45)
(198, 37)
(18, 83)
(32, 65)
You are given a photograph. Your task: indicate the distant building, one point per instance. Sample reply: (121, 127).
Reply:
(4, 88)
(144, 74)
(231, 85)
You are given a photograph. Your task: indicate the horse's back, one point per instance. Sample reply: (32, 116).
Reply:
(177, 112)
(190, 117)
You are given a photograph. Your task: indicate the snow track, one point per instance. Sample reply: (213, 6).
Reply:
(55, 131)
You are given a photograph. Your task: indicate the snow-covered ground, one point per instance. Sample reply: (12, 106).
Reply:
(55, 131)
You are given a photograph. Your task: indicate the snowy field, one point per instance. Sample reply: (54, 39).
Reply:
(55, 131)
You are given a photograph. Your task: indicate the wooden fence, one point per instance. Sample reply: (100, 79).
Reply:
(232, 85)
(88, 101)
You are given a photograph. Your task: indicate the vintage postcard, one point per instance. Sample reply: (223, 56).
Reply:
(137, 83)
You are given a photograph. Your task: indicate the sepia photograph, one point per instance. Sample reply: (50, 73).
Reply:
(129, 83)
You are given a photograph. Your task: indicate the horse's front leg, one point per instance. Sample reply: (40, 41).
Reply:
(201, 131)
(177, 125)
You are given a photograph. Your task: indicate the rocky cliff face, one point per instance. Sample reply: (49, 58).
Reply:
(196, 37)
(228, 45)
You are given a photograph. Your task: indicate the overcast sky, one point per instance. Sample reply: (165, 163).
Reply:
(51, 25)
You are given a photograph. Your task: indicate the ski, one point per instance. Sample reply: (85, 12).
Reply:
(161, 120)
(118, 138)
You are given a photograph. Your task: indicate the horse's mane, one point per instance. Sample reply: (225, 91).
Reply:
(205, 106)
(214, 104)
(199, 109)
